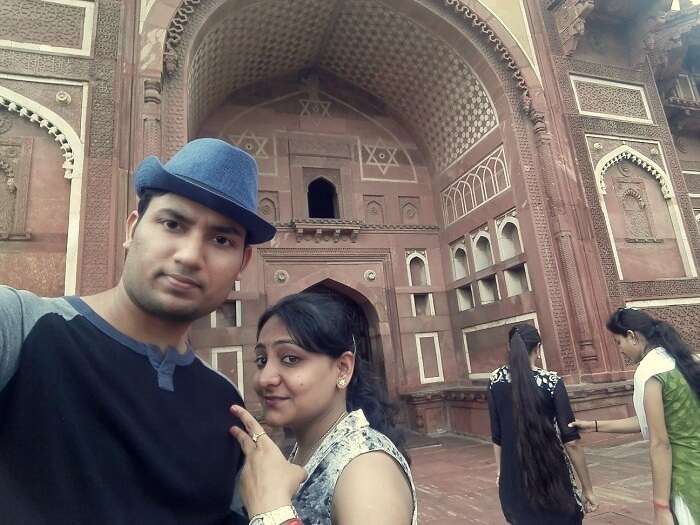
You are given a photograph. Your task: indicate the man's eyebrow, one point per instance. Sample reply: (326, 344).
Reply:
(177, 215)
(235, 230)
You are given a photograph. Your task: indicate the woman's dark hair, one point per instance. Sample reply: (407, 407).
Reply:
(658, 333)
(544, 472)
(326, 324)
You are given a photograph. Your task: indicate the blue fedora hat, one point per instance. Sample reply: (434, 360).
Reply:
(216, 175)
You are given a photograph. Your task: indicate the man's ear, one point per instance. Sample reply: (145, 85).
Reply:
(131, 222)
(247, 254)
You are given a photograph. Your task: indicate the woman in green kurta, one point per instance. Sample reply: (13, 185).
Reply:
(667, 402)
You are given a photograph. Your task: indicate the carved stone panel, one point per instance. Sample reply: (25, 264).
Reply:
(268, 205)
(15, 163)
(609, 99)
(633, 200)
(410, 210)
(60, 25)
(374, 209)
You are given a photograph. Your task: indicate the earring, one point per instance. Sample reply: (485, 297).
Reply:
(341, 382)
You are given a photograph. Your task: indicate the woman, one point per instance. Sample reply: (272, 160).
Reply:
(667, 402)
(530, 411)
(311, 381)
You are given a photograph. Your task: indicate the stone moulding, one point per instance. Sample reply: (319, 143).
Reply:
(174, 33)
(499, 47)
(51, 129)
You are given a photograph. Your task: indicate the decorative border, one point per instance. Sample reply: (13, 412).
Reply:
(85, 50)
(658, 303)
(630, 87)
(440, 378)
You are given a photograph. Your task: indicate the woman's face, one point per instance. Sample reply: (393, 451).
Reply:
(294, 386)
(630, 347)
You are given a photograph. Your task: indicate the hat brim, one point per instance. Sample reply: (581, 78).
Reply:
(151, 175)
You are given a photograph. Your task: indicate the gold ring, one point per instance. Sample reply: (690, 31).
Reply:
(257, 435)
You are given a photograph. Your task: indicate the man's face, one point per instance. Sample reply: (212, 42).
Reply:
(182, 259)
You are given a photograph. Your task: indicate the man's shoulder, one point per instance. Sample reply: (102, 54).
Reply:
(218, 379)
(24, 305)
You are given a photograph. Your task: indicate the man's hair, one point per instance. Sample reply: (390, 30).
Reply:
(145, 201)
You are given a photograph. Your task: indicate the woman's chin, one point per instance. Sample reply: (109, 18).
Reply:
(274, 418)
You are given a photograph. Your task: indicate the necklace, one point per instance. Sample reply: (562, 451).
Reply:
(315, 444)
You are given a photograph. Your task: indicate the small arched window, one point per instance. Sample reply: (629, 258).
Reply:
(418, 274)
(459, 261)
(482, 253)
(510, 241)
(323, 200)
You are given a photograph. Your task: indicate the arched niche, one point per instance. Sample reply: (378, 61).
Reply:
(509, 238)
(483, 255)
(71, 149)
(642, 217)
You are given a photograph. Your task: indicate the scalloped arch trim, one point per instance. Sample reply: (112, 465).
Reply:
(54, 126)
(627, 153)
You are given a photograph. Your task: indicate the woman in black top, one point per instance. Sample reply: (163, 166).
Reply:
(530, 413)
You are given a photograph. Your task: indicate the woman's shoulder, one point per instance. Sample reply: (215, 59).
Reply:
(546, 378)
(500, 375)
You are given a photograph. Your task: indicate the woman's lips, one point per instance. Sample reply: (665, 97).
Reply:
(274, 401)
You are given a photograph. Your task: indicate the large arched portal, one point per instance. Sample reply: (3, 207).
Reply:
(418, 117)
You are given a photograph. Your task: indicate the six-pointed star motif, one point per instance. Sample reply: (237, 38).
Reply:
(252, 143)
(381, 155)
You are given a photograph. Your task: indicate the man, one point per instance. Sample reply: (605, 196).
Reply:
(106, 414)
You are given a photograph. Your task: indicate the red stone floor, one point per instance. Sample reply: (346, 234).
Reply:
(455, 481)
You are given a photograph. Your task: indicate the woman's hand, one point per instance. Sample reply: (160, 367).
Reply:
(268, 481)
(590, 502)
(663, 517)
(581, 424)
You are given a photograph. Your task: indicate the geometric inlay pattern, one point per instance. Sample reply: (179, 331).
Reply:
(251, 143)
(314, 107)
(379, 155)
(479, 185)
(415, 73)
(254, 43)
(411, 69)
(610, 99)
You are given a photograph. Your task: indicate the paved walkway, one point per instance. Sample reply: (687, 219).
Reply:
(455, 479)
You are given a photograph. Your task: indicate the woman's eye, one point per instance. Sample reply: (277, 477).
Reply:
(260, 361)
(290, 359)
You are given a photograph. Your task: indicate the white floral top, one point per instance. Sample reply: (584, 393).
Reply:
(352, 437)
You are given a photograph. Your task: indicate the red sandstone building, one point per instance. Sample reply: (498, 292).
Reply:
(451, 166)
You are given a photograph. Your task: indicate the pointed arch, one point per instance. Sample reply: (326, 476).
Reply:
(625, 152)
(73, 151)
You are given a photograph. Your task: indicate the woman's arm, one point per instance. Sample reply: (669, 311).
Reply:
(629, 425)
(659, 451)
(372, 490)
(497, 454)
(576, 452)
